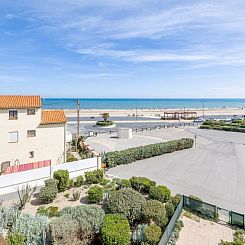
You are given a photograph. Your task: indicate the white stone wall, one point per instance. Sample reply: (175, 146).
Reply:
(48, 144)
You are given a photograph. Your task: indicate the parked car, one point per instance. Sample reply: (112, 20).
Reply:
(199, 119)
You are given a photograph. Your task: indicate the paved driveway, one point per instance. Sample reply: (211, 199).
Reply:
(214, 171)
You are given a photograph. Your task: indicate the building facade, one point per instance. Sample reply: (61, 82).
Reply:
(29, 134)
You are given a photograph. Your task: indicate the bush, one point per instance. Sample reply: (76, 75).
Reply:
(63, 177)
(95, 194)
(169, 207)
(15, 239)
(127, 202)
(122, 183)
(104, 123)
(142, 184)
(175, 199)
(138, 234)
(33, 228)
(65, 231)
(49, 211)
(76, 195)
(88, 216)
(160, 193)
(78, 225)
(49, 192)
(79, 181)
(70, 184)
(142, 152)
(152, 234)
(115, 230)
(105, 182)
(154, 210)
(94, 177)
(8, 216)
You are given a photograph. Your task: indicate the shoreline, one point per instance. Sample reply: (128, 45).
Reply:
(154, 112)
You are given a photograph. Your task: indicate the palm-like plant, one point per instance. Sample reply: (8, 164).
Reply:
(105, 116)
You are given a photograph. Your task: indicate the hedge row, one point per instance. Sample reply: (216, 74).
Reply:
(142, 152)
(224, 128)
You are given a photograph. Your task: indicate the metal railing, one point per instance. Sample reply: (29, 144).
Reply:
(204, 210)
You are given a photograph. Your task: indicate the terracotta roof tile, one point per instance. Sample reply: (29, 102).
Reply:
(53, 117)
(19, 101)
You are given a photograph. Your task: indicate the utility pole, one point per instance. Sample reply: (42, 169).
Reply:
(136, 111)
(203, 111)
(78, 122)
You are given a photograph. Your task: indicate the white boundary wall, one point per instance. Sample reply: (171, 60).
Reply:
(11, 182)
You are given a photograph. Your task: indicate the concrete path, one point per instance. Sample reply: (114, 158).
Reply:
(214, 171)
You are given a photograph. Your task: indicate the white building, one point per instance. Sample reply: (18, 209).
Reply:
(29, 134)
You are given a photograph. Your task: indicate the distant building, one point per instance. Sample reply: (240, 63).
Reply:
(29, 134)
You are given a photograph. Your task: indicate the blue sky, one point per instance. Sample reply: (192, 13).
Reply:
(109, 48)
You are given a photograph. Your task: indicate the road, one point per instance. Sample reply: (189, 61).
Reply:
(214, 171)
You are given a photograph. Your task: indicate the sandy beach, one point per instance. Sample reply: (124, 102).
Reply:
(154, 112)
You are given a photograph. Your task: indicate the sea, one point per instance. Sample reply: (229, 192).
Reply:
(117, 104)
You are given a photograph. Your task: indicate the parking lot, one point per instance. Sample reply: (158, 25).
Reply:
(214, 170)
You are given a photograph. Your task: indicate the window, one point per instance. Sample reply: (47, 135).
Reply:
(13, 115)
(30, 111)
(31, 133)
(31, 154)
(13, 137)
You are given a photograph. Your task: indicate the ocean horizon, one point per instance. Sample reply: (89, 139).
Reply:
(140, 103)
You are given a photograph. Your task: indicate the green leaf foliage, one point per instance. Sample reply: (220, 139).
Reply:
(160, 193)
(154, 210)
(15, 239)
(115, 230)
(126, 201)
(63, 177)
(95, 194)
(49, 192)
(152, 234)
(142, 184)
(94, 177)
(142, 152)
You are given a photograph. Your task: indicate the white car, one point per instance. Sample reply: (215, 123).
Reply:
(199, 119)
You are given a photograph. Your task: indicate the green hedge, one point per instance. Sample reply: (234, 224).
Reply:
(130, 155)
(224, 128)
(104, 123)
(63, 177)
(115, 230)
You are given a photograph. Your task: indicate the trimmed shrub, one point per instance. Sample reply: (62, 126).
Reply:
(138, 234)
(15, 239)
(90, 217)
(94, 177)
(152, 234)
(78, 225)
(169, 207)
(63, 177)
(104, 123)
(127, 202)
(122, 183)
(115, 230)
(142, 184)
(79, 181)
(33, 228)
(49, 192)
(70, 184)
(65, 231)
(95, 194)
(142, 152)
(160, 193)
(154, 210)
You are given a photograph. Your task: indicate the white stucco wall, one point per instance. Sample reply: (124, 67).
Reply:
(48, 144)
